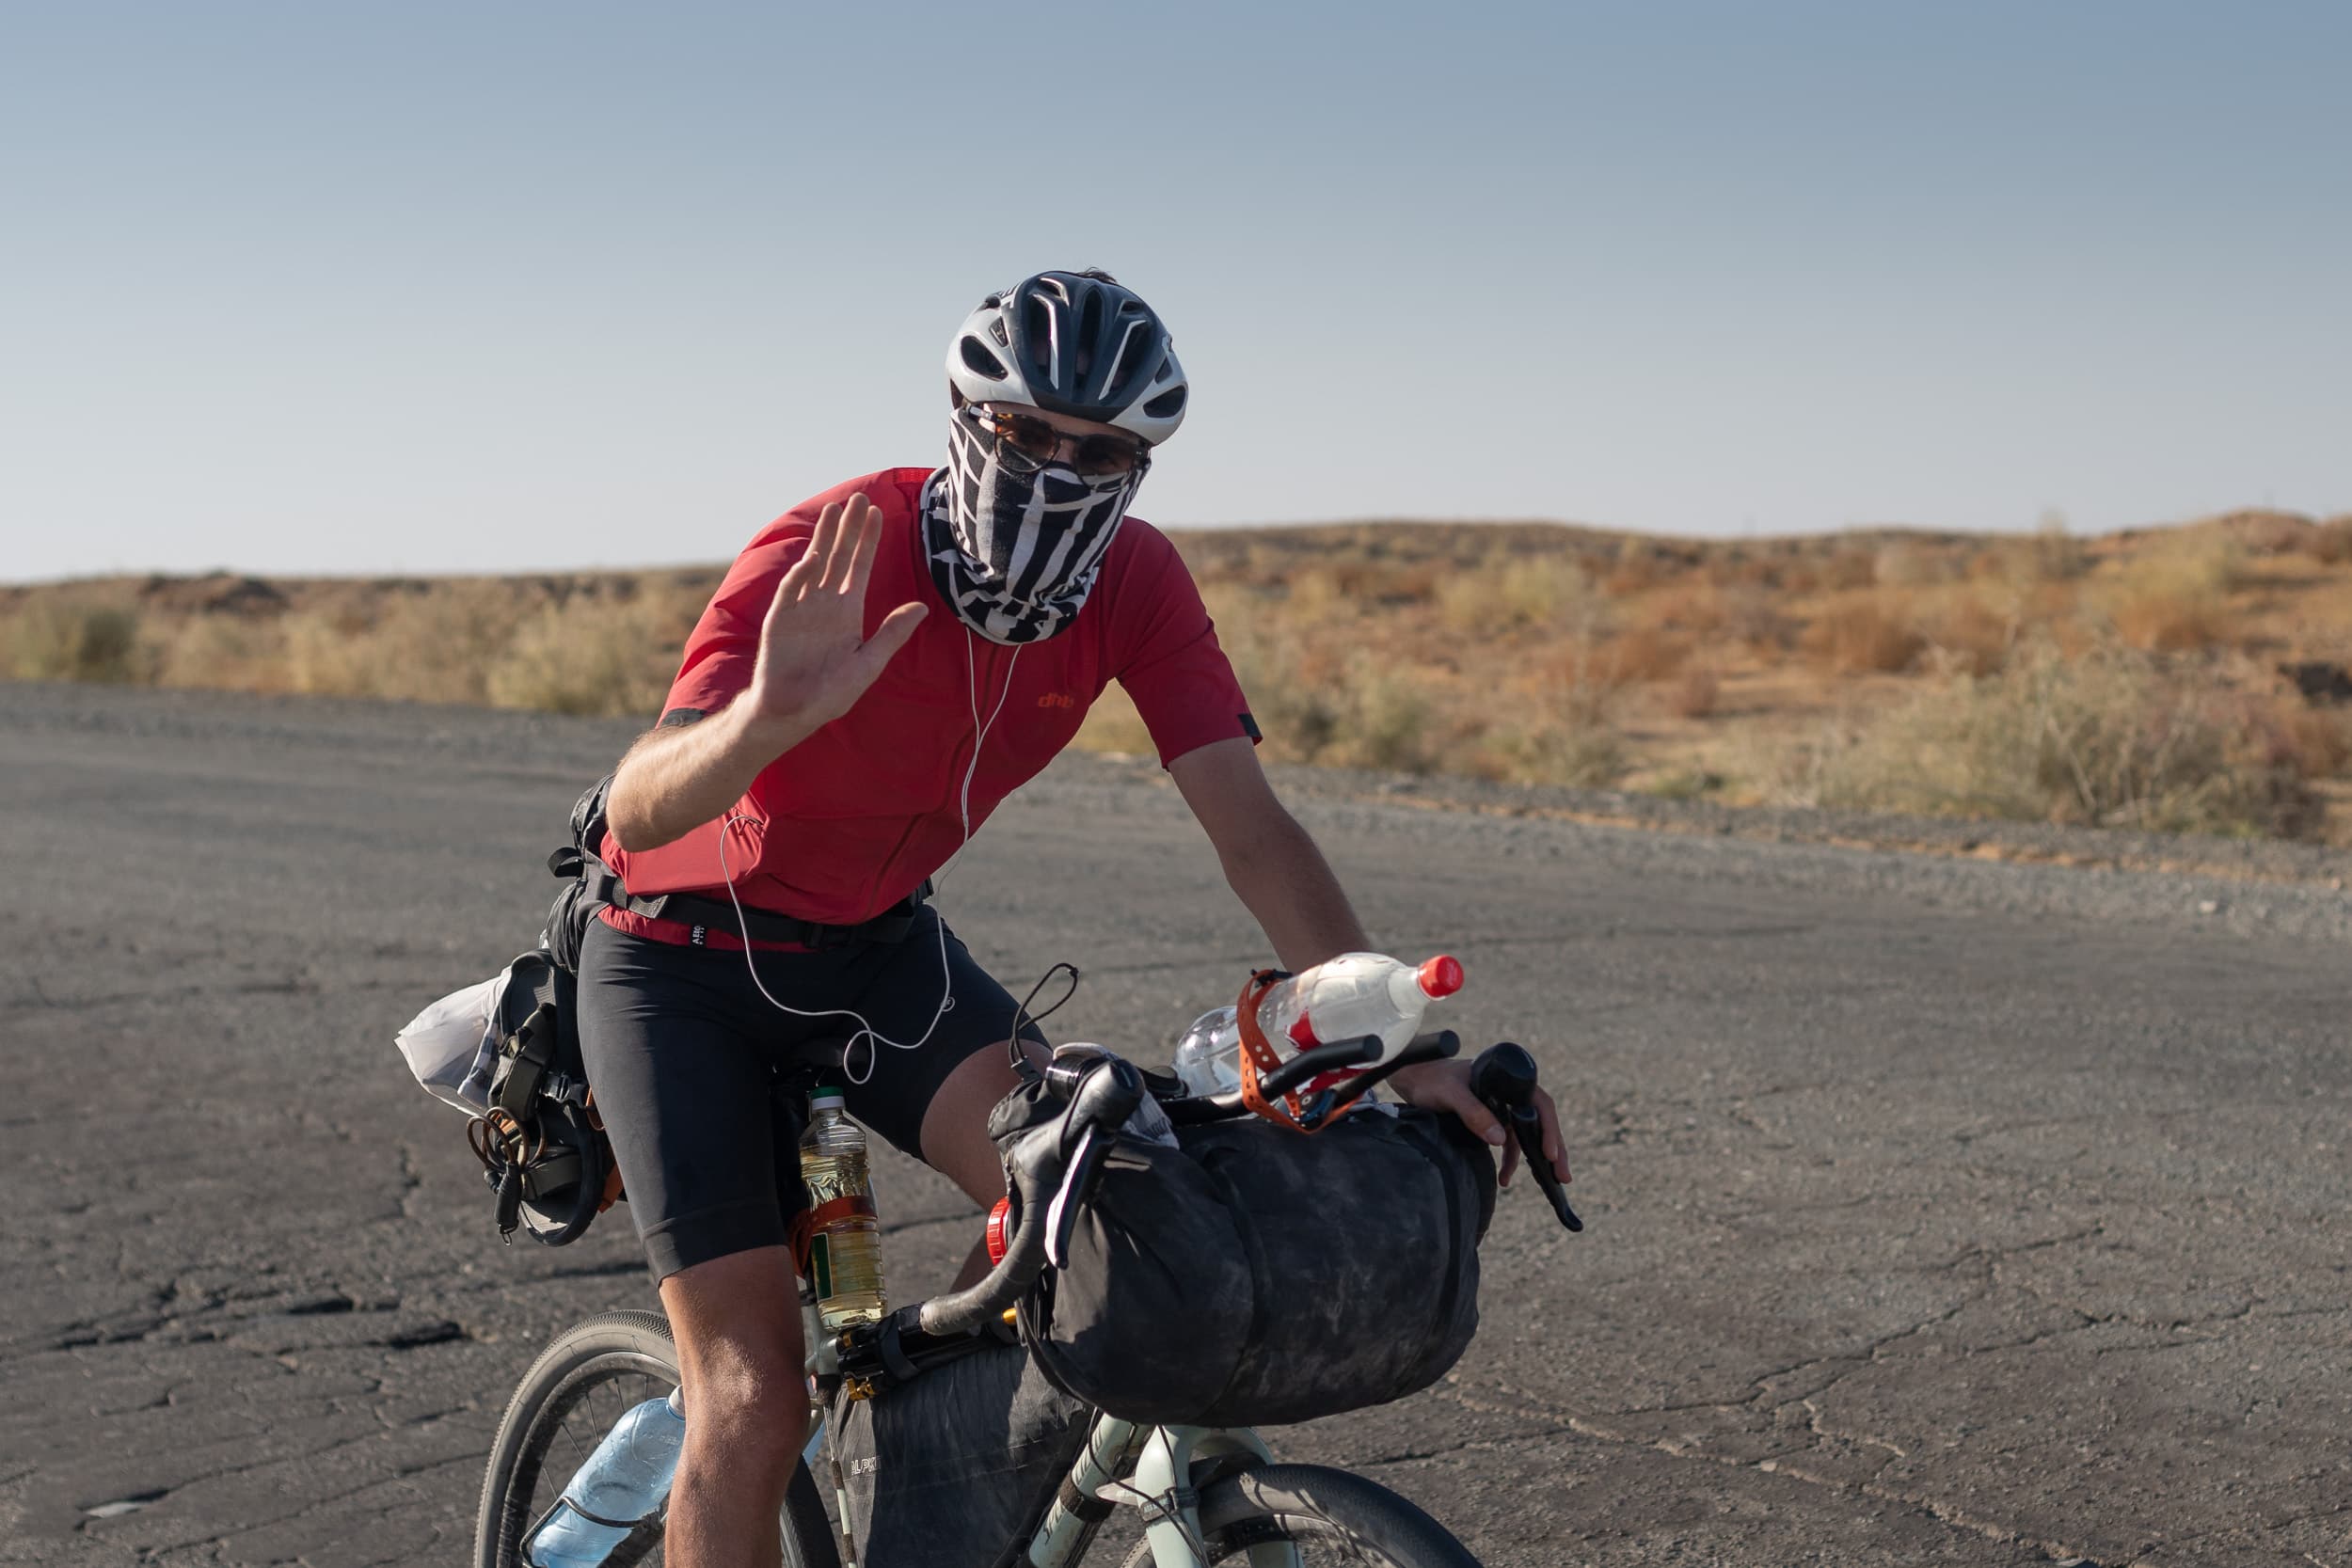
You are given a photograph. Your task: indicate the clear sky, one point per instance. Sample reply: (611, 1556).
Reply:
(430, 287)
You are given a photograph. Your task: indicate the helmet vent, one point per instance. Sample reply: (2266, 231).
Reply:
(1166, 406)
(975, 356)
(1119, 361)
(1091, 316)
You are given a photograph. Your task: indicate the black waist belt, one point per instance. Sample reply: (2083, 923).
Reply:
(892, 924)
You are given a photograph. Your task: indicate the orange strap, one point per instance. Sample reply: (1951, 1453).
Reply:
(1258, 1057)
(614, 1192)
(809, 1221)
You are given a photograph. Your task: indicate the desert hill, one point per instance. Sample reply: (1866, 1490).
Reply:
(2184, 677)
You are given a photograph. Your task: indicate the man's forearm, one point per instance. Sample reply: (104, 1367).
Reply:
(672, 780)
(1283, 881)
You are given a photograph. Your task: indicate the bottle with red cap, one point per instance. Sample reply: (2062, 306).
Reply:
(1344, 999)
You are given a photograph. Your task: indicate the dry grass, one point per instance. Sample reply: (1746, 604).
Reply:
(69, 638)
(2127, 678)
(605, 646)
(1695, 695)
(1864, 633)
(2176, 599)
(2116, 738)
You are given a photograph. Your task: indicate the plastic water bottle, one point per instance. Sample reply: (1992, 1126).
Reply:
(625, 1480)
(1344, 999)
(844, 1251)
(1208, 1056)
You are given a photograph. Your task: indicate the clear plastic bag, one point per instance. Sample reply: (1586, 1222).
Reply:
(452, 1047)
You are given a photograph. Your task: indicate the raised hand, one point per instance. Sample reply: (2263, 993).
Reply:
(814, 659)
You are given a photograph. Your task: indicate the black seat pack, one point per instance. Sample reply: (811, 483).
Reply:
(543, 1151)
(955, 1467)
(1260, 1275)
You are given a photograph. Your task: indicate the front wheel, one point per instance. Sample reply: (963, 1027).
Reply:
(1329, 1516)
(582, 1383)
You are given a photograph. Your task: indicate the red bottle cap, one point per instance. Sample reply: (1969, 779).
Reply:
(999, 1222)
(1441, 976)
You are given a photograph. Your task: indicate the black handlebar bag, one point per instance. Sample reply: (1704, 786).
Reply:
(1255, 1275)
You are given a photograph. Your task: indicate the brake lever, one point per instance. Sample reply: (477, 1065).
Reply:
(1078, 1183)
(1503, 1079)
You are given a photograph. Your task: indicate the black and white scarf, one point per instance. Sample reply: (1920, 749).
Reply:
(1015, 554)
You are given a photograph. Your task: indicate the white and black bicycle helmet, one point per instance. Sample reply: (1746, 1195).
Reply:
(1075, 343)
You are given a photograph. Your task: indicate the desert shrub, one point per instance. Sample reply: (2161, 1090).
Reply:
(440, 647)
(67, 639)
(2174, 600)
(1578, 755)
(1645, 654)
(2053, 555)
(1862, 634)
(1967, 635)
(590, 656)
(1681, 784)
(2113, 740)
(2331, 541)
(330, 653)
(2298, 739)
(1696, 607)
(1112, 725)
(1564, 731)
(225, 653)
(1315, 595)
(1695, 695)
(1848, 567)
(1548, 591)
(1638, 566)
(1382, 721)
(1545, 593)
(1912, 564)
(1466, 603)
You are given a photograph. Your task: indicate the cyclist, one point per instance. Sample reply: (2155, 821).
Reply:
(881, 666)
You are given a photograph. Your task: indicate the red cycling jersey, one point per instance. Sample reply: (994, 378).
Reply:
(856, 817)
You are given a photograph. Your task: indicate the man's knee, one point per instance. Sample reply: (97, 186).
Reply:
(738, 1324)
(955, 1124)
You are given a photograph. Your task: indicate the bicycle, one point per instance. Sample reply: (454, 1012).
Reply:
(1205, 1495)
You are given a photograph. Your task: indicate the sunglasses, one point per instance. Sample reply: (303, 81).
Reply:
(1025, 444)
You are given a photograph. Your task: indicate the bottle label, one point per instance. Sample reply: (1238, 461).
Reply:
(820, 1265)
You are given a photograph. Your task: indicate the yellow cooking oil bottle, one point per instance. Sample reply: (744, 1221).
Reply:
(845, 1249)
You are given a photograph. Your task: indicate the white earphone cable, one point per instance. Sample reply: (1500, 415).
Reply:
(866, 1031)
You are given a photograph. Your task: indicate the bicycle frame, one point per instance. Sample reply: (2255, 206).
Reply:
(1153, 1464)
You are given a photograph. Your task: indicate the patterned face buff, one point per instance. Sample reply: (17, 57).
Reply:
(1016, 551)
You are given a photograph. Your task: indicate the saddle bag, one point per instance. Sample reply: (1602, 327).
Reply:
(1253, 1274)
(506, 1050)
(955, 1469)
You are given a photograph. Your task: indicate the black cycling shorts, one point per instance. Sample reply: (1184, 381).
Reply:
(686, 1058)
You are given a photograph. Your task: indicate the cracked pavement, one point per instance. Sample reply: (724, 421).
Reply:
(1939, 1212)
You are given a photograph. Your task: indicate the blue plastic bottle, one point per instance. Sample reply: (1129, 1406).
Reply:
(625, 1480)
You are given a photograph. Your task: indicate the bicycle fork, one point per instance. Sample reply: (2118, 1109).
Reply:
(1154, 1466)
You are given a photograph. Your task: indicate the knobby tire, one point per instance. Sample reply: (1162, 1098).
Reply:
(1337, 1516)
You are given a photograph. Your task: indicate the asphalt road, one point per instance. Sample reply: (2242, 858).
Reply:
(1939, 1212)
